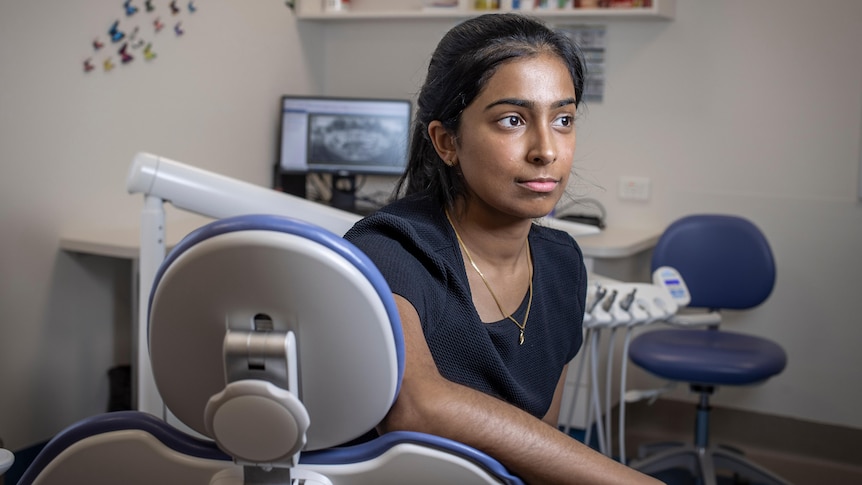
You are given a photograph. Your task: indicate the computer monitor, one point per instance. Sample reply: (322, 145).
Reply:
(344, 137)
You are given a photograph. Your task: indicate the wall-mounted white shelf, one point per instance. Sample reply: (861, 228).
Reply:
(405, 10)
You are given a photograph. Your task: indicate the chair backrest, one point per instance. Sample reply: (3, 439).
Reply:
(725, 260)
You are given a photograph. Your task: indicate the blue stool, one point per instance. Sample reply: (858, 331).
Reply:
(726, 263)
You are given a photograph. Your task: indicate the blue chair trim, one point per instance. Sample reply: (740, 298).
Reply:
(120, 421)
(376, 447)
(708, 357)
(264, 222)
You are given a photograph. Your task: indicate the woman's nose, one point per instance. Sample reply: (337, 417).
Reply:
(543, 150)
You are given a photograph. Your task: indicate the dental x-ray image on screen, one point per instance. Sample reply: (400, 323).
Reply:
(352, 142)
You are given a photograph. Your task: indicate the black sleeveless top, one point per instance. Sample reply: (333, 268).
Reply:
(416, 250)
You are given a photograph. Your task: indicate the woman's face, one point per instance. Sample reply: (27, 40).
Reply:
(516, 140)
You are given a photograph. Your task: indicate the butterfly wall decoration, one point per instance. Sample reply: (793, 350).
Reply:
(125, 57)
(115, 32)
(130, 9)
(134, 25)
(148, 52)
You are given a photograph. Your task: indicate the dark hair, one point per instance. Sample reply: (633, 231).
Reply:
(464, 61)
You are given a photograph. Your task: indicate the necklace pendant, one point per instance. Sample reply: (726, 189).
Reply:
(521, 338)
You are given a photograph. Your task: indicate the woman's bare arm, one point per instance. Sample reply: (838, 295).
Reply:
(536, 452)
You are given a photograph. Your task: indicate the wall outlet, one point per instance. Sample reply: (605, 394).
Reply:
(634, 188)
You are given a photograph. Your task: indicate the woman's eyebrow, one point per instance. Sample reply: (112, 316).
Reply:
(524, 103)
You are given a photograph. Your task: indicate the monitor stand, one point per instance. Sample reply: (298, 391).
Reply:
(291, 183)
(343, 191)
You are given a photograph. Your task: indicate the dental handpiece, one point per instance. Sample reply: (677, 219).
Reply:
(627, 301)
(600, 293)
(609, 301)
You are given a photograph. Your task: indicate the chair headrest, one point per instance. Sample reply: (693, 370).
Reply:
(233, 273)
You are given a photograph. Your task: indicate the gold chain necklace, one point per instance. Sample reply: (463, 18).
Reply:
(521, 326)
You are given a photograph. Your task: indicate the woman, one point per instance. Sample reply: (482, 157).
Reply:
(490, 303)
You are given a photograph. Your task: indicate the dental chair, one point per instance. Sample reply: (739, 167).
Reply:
(726, 263)
(276, 342)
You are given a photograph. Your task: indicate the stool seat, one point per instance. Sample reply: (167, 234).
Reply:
(708, 357)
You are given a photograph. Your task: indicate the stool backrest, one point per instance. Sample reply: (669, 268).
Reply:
(725, 260)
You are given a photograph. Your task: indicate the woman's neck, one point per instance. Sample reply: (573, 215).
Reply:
(496, 241)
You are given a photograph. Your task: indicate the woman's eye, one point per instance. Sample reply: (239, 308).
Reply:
(512, 121)
(565, 120)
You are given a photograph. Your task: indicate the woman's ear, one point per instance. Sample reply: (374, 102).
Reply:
(444, 143)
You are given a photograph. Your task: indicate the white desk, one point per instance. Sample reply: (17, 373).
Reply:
(613, 244)
(620, 253)
(125, 242)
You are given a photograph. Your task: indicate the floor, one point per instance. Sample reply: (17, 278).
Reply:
(796, 469)
(801, 452)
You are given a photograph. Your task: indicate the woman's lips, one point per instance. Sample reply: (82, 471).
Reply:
(540, 185)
